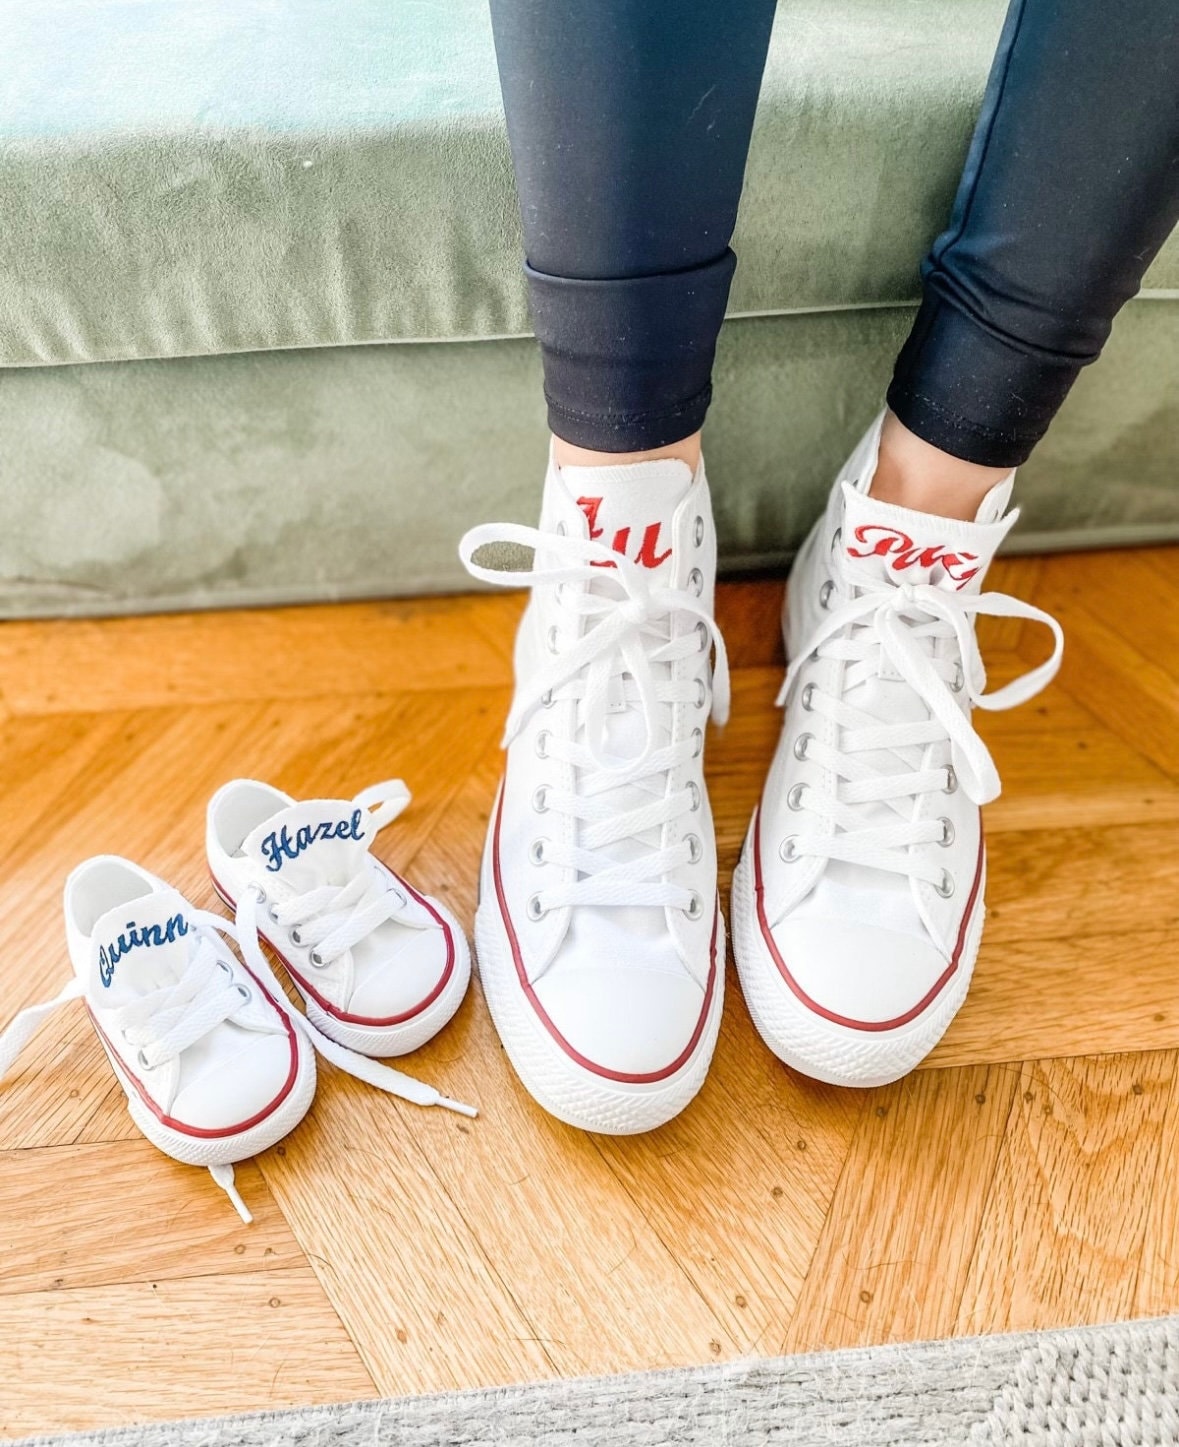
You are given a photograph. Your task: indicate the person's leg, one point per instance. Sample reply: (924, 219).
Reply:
(1070, 188)
(600, 938)
(629, 123)
(858, 904)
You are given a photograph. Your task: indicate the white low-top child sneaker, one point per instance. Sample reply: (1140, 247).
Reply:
(211, 1060)
(859, 899)
(599, 937)
(381, 967)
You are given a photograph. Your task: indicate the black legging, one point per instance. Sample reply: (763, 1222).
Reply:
(630, 121)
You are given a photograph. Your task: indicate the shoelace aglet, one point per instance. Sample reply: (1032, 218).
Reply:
(223, 1175)
(456, 1105)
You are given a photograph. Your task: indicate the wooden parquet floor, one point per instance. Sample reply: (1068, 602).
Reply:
(1027, 1176)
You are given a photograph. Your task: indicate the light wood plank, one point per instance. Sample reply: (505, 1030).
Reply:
(93, 665)
(1157, 1292)
(148, 1351)
(1064, 1228)
(893, 1258)
(1097, 994)
(65, 1223)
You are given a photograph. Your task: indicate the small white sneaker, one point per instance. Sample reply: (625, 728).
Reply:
(381, 968)
(599, 936)
(211, 1060)
(858, 902)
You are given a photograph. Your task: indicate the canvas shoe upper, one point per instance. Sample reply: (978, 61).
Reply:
(599, 937)
(381, 967)
(860, 890)
(210, 1058)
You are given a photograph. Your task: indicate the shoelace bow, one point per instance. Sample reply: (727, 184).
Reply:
(895, 628)
(333, 918)
(627, 635)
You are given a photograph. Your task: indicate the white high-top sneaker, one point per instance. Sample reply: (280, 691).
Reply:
(599, 937)
(858, 902)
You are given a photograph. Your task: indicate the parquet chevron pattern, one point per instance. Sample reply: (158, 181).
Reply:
(1025, 1177)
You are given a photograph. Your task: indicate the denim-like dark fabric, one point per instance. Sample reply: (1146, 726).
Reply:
(1070, 188)
(629, 123)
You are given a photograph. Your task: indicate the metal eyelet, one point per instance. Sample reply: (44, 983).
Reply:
(794, 797)
(535, 909)
(698, 531)
(258, 892)
(536, 851)
(835, 537)
(227, 967)
(273, 913)
(704, 637)
(946, 887)
(701, 693)
(697, 743)
(538, 799)
(317, 960)
(694, 794)
(951, 785)
(959, 679)
(787, 852)
(696, 581)
(800, 744)
(825, 593)
(695, 907)
(808, 696)
(947, 832)
(245, 992)
(560, 530)
(402, 896)
(552, 639)
(541, 740)
(296, 937)
(141, 1060)
(546, 698)
(695, 848)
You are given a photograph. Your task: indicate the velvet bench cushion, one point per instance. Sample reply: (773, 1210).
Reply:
(185, 179)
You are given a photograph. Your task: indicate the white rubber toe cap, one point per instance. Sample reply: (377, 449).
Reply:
(229, 1088)
(406, 978)
(623, 1023)
(858, 974)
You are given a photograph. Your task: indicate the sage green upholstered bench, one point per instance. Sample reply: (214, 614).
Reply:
(263, 331)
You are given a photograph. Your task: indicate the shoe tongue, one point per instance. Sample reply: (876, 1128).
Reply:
(141, 946)
(315, 842)
(882, 543)
(631, 508)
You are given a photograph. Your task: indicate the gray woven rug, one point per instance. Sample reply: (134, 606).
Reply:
(1113, 1386)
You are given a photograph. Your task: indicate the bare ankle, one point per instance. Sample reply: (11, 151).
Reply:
(914, 474)
(569, 455)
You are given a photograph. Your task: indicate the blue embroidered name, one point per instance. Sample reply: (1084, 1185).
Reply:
(132, 937)
(283, 845)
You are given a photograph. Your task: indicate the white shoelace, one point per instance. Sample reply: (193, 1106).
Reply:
(333, 918)
(164, 1022)
(894, 629)
(625, 637)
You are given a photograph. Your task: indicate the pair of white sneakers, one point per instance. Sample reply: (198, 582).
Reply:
(215, 1064)
(857, 906)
